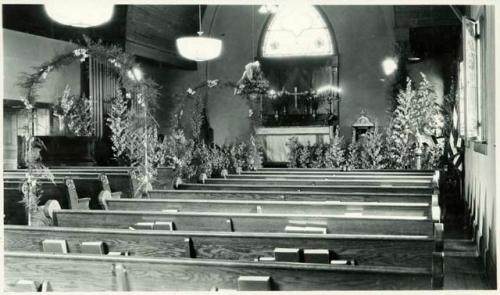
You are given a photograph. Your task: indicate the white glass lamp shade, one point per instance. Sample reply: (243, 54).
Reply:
(199, 48)
(83, 13)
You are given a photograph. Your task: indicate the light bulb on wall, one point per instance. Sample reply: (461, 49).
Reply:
(389, 65)
(135, 74)
(82, 14)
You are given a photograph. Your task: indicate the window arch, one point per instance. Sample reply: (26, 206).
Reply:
(297, 31)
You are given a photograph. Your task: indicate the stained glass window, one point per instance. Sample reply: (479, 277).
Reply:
(297, 30)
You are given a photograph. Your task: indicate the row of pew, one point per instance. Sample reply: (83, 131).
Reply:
(271, 229)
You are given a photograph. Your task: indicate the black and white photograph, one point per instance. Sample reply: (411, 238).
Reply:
(229, 146)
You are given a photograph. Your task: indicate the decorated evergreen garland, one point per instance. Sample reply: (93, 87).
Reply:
(133, 131)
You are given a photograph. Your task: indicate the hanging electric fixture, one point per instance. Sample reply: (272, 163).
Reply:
(82, 14)
(199, 48)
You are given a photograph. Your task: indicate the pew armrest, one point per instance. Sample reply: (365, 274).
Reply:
(83, 204)
(116, 195)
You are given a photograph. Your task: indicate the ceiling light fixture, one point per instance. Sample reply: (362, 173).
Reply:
(199, 48)
(82, 14)
(268, 8)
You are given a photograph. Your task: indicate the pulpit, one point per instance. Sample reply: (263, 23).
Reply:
(275, 140)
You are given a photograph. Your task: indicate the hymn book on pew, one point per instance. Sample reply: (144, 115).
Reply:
(55, 246)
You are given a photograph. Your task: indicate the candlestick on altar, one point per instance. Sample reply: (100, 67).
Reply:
(295, 96)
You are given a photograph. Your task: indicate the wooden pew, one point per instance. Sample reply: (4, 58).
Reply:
(337, 176)
(377, 250)
(119, 180)
(70, 272)
(339, 171)
(86, 187)
(425, 183)
(248, 222)
(164, 178)
(272, 207)
(309, 188)
(293, 196)
(15, 212)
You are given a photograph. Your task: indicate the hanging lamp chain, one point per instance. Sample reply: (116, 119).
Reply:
(200, 32)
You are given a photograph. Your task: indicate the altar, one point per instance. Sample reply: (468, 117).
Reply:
(275, 140)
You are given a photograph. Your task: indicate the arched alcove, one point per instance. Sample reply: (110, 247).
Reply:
(299, 54)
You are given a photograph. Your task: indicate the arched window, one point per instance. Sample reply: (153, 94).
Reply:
(297, 31)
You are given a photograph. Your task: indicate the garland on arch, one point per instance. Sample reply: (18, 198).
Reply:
(135, 94)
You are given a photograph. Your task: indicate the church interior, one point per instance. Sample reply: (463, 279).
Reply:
(267, 146)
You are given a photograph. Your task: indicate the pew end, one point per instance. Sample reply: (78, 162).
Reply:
(49, 208)
(436, 214)
(107, 187)
(32, 286)
(74, 201)
(27, 286)
(438, 237)
(103, 197)
(437, 270)
(120, 274)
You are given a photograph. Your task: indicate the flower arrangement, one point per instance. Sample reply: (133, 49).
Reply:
(75, 113)
(130, 134)
(252, 82)
(318, 155)
(415, 120)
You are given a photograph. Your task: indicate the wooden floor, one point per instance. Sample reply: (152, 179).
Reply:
(463, 269)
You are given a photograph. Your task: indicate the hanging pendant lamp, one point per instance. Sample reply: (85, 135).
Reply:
(199, 48)
(82, 14)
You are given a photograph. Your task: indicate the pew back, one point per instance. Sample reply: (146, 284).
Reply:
(378, 250)
(291, 196)
(94, 273)
(425, 183)
(119, 180)
(200, 221)
(310, 188)
(273, 207)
